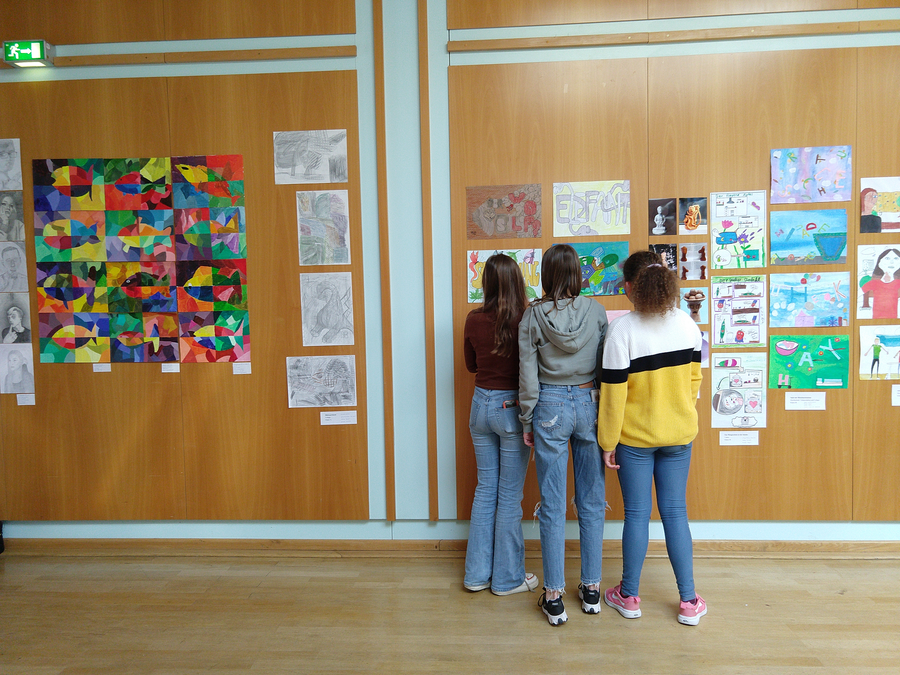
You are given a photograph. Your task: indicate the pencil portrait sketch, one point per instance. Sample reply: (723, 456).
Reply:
(310, 156)
(13, 278)
(16, 369)
(326, 309)
(15, 318)
(12, 215)
(321, 381)
(323, 226)
(10, 164)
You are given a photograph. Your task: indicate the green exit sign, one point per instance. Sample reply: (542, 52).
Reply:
(28, 53)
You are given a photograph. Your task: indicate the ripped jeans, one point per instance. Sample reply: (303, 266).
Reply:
(564, 414)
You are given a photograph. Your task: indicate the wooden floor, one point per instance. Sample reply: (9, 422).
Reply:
(288, 613)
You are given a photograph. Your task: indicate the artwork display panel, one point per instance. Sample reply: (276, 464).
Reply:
(661, 215)
(811, 174)
(592, 208)
(879, 202)
(809, 237)
(141, 259)
(739, 311)
(318, 156)
(503, 211)
(601, 267)
(321, 381)
(739, 398)
(809, 361)
(528, 260)
(323, 225)
(326, 308)
(809, 299)
(737, 223)
(878, 268)
(879, 352)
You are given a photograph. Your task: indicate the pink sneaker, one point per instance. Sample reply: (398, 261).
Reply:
(628, 606)
(689, 613)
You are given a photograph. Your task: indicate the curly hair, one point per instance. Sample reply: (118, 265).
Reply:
(654, 288)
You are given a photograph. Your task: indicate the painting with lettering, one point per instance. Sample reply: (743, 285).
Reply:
(503, 211)
(601, 266)
(693, 217)
(661, 215)
(737, 225)
(528, 260)
(738, 388)
(738, 306)
(879, 352)
(809, 361)
(811, 174)
(809, 237)
(878, 270)
(592, 208)
(323, 226)
(879, 202)
(809, 300)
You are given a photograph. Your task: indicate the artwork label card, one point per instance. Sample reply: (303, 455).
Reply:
(503, 211)
(337, 417)
(811, 174)
(737, 224)
(592, 208)
(814, 400)
(738, 438)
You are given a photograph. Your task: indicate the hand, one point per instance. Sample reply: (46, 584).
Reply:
(528, 437)
(10, 337)
(609, 459)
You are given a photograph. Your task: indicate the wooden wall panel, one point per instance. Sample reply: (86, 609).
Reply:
(62, 22)
(876, 460)
(101, 446)
(537, 123)
(210, 19)
(709, 132)
(500, 13)
(247, 456)
(668, 9)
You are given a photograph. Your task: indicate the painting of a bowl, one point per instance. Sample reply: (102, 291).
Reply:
(786, 347)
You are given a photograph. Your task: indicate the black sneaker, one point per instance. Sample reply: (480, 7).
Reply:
(590, 600)
(554, 609)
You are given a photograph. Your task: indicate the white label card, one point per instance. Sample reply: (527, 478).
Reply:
(240, 368)
(809, 400)
(171, 367)
(895, 394)
(739, 438)
(24, 399)
(102, 367)
(337, 417)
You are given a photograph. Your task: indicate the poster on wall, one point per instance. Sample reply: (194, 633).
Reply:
(323, 225)
(879, 202)
(811, 174)
(809, 361)
(878, 268)
(592, 208)
(693, 301)
(809, 237)
(601, 266)
(738, 390)
(879, 352)
(10, 164)
(528, 260)
(141, 259)
(12, 216)
(15, 318)
(503, 211)
(669, 254)
(738, 311)
(693, 263)
(318, 156)
(661, 216)
(737, 225)
(16, 369)
(692, 215)
(326, 308)
(809, 299)
(321, 381)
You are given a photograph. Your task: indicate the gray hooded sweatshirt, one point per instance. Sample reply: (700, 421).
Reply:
(559, 345)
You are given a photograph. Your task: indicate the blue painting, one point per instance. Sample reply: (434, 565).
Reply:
(601, 266)
(809, 300)
(816, 237)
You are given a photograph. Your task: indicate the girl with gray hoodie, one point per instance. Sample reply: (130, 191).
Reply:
(560, 355)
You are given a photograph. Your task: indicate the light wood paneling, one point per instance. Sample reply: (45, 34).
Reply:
(217, 19)
(247, 456)
(538, 123)
(709, 133)
(498, 13)
(62, 22)
(876, 460)
(96, 446)
(668, 9)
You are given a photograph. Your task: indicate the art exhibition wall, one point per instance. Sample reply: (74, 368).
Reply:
(435, 98)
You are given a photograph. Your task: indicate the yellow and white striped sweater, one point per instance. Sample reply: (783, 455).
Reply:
(651, 376)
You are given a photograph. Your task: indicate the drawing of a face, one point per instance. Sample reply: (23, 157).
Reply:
(7, 208)
(889, 263)
(7, 156)
(14, 315)
(868, 201)
(14, 361)
(11, 259)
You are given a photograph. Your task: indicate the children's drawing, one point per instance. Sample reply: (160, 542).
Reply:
(310, 156)
(323, 227)
(737, 223)
(738, 311)
(693, 263)
(326, 308)
(12, 216)
(738, 390)
(819, 174)
(661, 215)
(693, 301)
(592, 208)
(669, 254)
(879, 352)
(10, 164)
(879, 202)
(528, 260)
(16, 369)
(809, 299)
(601, 267)
(692, 215)
(809, 361)
(503, 211)
(879, 281)
(321, 381)
(809, 237)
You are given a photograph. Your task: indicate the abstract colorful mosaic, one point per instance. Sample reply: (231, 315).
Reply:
(141, 260)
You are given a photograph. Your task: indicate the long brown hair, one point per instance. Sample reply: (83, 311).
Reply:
(654, 287)
(504, 296)
(560, 274)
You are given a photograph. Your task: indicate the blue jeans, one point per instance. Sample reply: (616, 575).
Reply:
(564, 414)
(496, 548)
(638, 468)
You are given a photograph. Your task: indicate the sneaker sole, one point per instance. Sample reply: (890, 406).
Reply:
(691, 620)
(586, 607)
(626, 613)
(525, 586)
(556, 620)
(479, 587)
